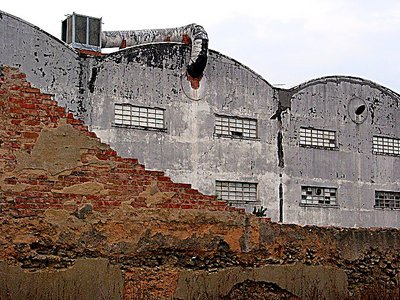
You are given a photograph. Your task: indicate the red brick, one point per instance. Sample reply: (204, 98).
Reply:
(15, 110)
(91, 134)
(47, 97)
(74, 122)
(163, 178)
(192, 191)
(28, 105)
(182, 185)
(31, 90)
(16, 122)
(19, 76)
(28, 146)
(15, 100)
(30, 135)
(110, 152)
(49, 102)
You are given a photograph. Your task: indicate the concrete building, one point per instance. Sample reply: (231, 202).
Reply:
(326, 152)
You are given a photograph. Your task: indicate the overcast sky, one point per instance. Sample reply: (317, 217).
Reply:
(286, 41)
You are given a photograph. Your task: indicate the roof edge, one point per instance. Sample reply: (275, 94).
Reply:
(343, 78)
(38, 29)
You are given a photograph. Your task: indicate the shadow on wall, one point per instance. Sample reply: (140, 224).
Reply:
(298, 279)
(87, 279)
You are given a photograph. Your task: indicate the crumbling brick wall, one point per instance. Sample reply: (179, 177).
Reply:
(71, 206)
(50, 160)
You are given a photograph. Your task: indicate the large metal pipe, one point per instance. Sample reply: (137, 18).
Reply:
(194, 32)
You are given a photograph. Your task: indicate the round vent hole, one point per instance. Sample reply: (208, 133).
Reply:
(360, 110)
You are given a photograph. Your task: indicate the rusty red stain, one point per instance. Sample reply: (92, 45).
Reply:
(185, 39)
(194, 82)
(123, 44)
(89, 52)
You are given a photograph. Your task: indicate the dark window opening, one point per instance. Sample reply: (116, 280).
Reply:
(389, 200)
(81, 29)
(64, 31)
(237, 133)
(360, 110)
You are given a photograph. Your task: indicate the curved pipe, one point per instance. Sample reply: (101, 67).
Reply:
(194, 32)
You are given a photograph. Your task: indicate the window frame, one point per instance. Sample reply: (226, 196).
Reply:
(394, 207)
(318, 131)
(229, 183)
(141, 117)
(235, 119)
(395, 148)
(323, 193)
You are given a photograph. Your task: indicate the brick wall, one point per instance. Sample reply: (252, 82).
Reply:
(49, 159)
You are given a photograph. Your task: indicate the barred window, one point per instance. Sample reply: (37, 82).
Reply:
(317, 138)
(139, 116)
(318, 196)
(236, 192)
(235, 127)
(387, 200)
(386, 145)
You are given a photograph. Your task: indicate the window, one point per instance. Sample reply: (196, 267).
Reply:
(235, 127)
(386, 145)
(318, 196)
(138, 116)
(236, 192)
(317, 138)
(387, 200)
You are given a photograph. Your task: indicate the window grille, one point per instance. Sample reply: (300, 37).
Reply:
(236, 127)
(387, 200)
(318, 196)
(386, 145)
(236, 192)
(317, 138)
(139, 116)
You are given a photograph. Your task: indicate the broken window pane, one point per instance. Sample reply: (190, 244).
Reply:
(322, 196)
(235, 127)
(384, 199)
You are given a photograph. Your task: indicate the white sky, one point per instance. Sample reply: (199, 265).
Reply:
(285, 41)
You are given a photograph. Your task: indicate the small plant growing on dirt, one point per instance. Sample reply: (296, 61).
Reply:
(260, 211)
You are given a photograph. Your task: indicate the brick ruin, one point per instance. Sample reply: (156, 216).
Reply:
(80, 222)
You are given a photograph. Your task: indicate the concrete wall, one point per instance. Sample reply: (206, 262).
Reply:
(353, 168)
(188, 151)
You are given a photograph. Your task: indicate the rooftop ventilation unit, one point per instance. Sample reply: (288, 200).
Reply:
(82, 32)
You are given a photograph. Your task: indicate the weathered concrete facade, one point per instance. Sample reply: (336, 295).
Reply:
(189, 150)
(352, 167)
